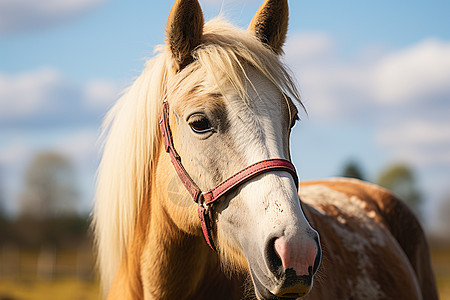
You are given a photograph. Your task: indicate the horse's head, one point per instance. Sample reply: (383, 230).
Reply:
(229, 108)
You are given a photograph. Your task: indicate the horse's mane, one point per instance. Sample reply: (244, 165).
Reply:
(131, 132)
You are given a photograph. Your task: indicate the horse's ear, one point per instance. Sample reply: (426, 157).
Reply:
(184, 30)
(270, 23)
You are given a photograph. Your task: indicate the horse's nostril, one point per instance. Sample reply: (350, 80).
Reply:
(300, 255)
(273, 259)
(318, 258)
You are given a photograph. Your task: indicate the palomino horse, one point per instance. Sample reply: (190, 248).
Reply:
(196, 159)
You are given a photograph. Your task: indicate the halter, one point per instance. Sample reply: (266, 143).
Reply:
(205, 200)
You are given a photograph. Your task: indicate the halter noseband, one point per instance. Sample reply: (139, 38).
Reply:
(204, 200)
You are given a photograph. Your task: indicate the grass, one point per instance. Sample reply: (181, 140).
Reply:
(72, 275)
(69, 289)
(440, 258)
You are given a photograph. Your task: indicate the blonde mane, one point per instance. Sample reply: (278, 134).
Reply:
(131, 131)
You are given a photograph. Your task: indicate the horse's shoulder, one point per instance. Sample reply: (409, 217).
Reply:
(373, 200)
(354, 198)
(342, 207)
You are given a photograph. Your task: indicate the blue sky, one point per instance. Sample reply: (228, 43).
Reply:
(375, 78)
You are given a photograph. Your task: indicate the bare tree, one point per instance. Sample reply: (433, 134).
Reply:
(49, 188)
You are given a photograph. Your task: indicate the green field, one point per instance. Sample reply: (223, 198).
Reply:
(71, 288)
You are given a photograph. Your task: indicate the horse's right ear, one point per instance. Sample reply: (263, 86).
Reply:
(184, 30)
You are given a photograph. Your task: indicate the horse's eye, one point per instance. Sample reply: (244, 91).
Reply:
(200, 124)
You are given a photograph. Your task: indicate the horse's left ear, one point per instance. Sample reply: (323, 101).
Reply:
(270, 23)
(184, 30)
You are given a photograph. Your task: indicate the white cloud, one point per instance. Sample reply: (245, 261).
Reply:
(23, 15)
(46, 96)
(424, 143)
(331, 88)
(418, 72)
(27, 93)
(334, 87)
(400, 97)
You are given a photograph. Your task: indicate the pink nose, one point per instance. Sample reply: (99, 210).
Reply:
(297, 255)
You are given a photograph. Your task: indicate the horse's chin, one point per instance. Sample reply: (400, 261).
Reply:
(263, 293)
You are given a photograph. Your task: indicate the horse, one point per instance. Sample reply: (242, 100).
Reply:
(196, 196)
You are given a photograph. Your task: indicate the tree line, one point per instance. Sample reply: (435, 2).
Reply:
(47, 212)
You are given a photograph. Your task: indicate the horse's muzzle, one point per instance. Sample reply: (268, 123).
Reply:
(292, 266)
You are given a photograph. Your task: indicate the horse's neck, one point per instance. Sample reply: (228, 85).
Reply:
(173, 263)
(165, 263)
(127, 283)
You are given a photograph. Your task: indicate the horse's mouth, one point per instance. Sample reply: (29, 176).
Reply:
(291, 296)
(289, 289)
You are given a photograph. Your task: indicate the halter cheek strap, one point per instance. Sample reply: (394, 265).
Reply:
(204, 200)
